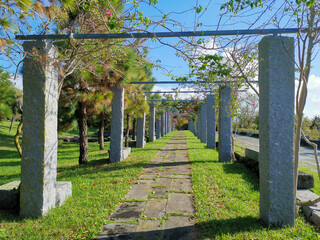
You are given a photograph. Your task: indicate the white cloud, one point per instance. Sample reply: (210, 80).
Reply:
(180, 95)
(312, 107)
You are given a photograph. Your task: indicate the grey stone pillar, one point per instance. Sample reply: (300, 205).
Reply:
(211, 122)
(224, 124)
(152, 121)
(203, 123)
(168, 122)
(198, 126)
(276, 128)
(191, 125)
(116, 135)
(158, 128)
(141, 128)
(163, 125)
(39, 141)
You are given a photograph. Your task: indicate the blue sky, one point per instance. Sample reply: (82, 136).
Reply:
(209, 19)
(184, 13)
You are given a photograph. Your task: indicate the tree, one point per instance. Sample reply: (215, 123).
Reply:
(7, 96)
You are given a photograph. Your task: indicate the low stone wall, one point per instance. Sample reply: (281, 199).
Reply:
(251, 160)
(10, 194)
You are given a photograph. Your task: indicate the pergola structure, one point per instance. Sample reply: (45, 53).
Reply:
(39, 187)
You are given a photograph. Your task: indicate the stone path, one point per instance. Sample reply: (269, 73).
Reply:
(160, 204)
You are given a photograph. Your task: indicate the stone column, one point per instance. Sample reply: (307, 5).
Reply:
(141, 128)
(158, 128)
(190, 125)
(276, 130)
(224, 124)
(211, 122)
(163, 125)
(116, 135)
(152, 121)
(168, 122)
(198, 126)
(203, 123)
(40, 140)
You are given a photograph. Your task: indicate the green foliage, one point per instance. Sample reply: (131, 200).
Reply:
(311, 128)
(7, 95)
(237, 5)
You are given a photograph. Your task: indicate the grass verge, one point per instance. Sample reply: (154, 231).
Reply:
(97, 187)
(226, 199)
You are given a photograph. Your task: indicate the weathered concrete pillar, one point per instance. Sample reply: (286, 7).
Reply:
(198, 126)
(211, 122)
(116, 135)
(203, 123)
(152, 122)
(158, 128)
(276, 130)
(38, 190)
(224, 124)
(191, 125)
(163, 125)
(168, 122)
(141, 128)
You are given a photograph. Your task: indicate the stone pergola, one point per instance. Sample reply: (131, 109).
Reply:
(39, 189)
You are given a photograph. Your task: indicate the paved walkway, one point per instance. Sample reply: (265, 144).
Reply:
(161, 201)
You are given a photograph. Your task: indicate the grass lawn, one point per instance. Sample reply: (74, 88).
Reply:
(227, 200)
(97, 189)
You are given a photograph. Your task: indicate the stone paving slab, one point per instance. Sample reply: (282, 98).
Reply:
(140, 190)
(117, 231)
(184, 176)
(181, 185)
(160, 192)
(179, 227)
(180, 203)
(163, 181)
(128, 211)
(148, 230)
(148, 176)
(155, 208)
(151, 169)
(181, 169)
(165, 174)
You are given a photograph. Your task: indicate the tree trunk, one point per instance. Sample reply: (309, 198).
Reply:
(126, 139)
(16, 137)
(12, 121)
(83, 132)
(101, 132)
(134, 129)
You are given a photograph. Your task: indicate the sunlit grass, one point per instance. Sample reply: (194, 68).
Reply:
(97, 188)
(227, 200)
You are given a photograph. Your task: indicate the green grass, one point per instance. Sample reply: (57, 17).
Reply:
(227, 200)
(97, 188)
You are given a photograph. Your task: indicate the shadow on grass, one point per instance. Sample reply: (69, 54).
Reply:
(213, 228)
(9, 163)
(246, 174)
(9, 178)
(94, 166)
